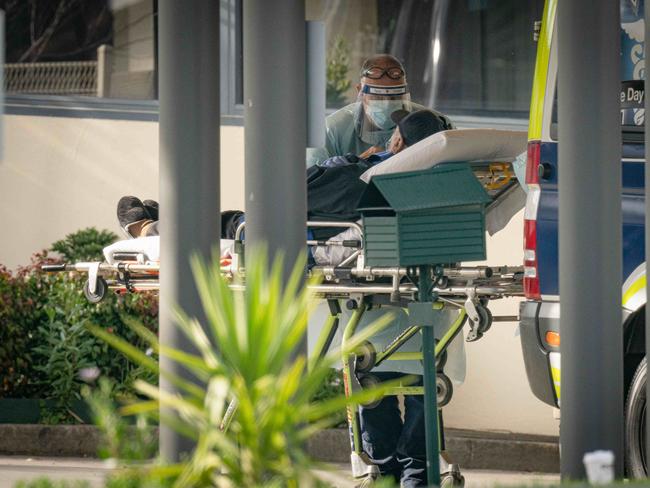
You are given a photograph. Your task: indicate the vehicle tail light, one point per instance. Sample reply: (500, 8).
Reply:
(532, 163)
(552, 338)
(531, 275)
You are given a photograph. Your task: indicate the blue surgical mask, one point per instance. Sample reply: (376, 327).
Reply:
(379, 112)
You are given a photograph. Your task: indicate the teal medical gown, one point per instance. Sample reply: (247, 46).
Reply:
(342, 139)
(342, 136)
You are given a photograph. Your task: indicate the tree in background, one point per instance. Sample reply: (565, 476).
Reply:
(338, 83)
(56, 30)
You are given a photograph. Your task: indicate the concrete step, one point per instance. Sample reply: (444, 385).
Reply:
(470, 449)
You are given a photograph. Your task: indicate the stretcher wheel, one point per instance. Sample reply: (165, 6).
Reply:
(442, 282)
(485, 319)
(101, 289)
(370, 381)
(444, 388)
(366, 357)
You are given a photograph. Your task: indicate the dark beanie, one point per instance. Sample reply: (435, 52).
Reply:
(415, 126)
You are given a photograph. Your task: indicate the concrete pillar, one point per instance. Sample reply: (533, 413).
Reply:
(590, 232)
(275, 126)
(189, 169)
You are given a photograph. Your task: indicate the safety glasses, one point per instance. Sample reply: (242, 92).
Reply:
(375, 72)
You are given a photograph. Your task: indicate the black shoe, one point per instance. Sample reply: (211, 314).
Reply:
(130, 210)
(151, 206)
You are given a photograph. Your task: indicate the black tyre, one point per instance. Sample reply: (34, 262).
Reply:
(370, 381)
(366, 357)
(445, 389)
(101, 289)
(635, 419)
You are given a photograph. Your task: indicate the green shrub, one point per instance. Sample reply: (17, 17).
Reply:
(332, 387)
(133, 441)
(66, 348)
(44, 342)
(23, 300)
(84, 245)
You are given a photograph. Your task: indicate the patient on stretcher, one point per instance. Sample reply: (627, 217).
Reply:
(333, 186)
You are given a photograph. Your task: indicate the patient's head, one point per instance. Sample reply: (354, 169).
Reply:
(412, 127)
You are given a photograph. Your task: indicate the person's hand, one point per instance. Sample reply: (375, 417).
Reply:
(370, 151)
(396, 143)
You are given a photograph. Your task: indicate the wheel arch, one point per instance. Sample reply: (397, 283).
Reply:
(634, 304)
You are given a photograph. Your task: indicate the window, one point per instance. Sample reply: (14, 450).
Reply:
(473, 57)
(98, 48)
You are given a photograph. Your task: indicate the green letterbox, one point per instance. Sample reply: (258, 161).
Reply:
(434, 216)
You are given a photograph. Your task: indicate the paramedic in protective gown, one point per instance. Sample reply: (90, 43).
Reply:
(364, 128)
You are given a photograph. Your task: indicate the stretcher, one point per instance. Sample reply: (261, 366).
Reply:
(430, 292)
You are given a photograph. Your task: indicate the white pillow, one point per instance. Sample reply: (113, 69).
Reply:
(454, 145)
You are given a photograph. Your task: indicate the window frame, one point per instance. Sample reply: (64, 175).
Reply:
(232, 112)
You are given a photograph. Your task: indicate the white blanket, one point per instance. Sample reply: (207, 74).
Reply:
(454, 145)
(465, 145)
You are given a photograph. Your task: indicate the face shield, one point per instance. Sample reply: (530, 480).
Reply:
(375, 104)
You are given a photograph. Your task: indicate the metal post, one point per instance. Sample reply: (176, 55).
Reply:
(275, 126)
(590, 232)
(316, 83)
(431, 428)
(189, 169)
(104, 69)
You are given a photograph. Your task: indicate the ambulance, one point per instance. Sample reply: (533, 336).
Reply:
(540, 313)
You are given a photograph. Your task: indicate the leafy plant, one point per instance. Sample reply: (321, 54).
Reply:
(246, 350)
(338, 83)
(133, 441)
(66, 348)
(332, 387)
(84, 245)
(23, 295)
(44, 345)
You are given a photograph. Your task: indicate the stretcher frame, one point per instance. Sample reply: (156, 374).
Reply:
(425, 289)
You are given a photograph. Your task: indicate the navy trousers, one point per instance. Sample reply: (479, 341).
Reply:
(397, 447)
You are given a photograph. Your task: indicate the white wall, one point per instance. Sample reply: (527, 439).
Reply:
(63, 174)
